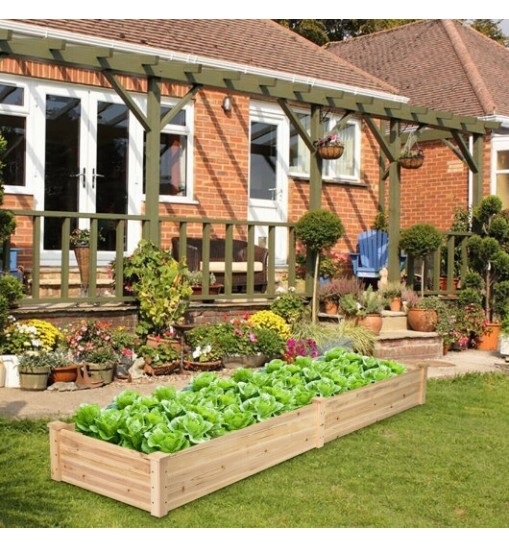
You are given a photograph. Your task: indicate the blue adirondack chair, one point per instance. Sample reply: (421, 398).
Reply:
(373, 254)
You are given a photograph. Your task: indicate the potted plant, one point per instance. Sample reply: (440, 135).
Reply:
(79, 240)
(290, 306)
(206, 358)
(318, 230)
(195, 279)
(423, 313)
(369, 312)
(330, 147)
(329, 297)
(161, 286)
(504, 338)
(411, 155)
(100, 364)
(34, 370)
(62, 367)
(392, 293)
(419, 241)
(163, 360)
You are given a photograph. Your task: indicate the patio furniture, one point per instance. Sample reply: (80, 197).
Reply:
(372, 255)
(217, 264)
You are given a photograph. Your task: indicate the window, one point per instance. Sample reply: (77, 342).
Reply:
(502, 176)
(346, 168)
(175, 157)
(13, 130)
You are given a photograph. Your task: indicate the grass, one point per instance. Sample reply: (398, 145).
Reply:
(441, 465)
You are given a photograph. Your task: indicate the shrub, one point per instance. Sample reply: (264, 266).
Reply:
(319, 229)
(290, 306)
(270, 320)
(30, 335)
(420, 240)
(11, 288)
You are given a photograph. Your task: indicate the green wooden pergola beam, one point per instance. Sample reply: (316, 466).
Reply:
(380, 138)
(455, 149)
(169, 116)
(465, 152)
(297, 124)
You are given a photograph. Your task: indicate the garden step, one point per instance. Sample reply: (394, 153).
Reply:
(404, 344)
(394, 321)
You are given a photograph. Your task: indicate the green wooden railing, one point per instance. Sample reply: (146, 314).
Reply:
(450, 262)
(170, 226)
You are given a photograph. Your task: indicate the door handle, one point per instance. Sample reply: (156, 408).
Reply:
(95, 176)
(84, 175)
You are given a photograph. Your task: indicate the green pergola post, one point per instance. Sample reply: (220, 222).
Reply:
(477, 175)
(394, 273)
(152, 157)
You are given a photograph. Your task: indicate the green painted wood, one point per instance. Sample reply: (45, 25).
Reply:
(455, 149)
(465, 152)
(228, 258)
(250, 259)
(64, 264)
(6, 251)
(315, 175)
(436, 270)
(36, 257)
(410, 269)
(119, 258)
(464, 257)
(206, 258)
(127, 98)
(292, 258)
(271, 268)
(297, 124)
(451, 243)
(477, 190)
(394, 216)
(169, 116)
(79, 300)
(94, 238)
(152, 168)
(380, 138)
(76, 215)
(341, 123)
(382, 170)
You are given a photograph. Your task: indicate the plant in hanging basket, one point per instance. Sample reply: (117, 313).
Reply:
(411, 159)
(330, 147)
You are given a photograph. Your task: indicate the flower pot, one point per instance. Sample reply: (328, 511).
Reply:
(411, 162)
(396, 304)
(330, 306)
(331, 152)
(2, 374)
(213, 290)
(422, 319)
(64, 374)
(101, 372)
(83, 259)
(160, 369)
(154, 341)
(37, 379)
(204, 366)
(504, 344)
(373, 322)
(489, 341)
(443, 283)
(10, 362)
(233, 362)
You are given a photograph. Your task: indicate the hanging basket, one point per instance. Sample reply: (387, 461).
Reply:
(331, 152)
(411, 162)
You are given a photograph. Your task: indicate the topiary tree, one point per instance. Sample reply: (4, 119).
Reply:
(318, 230)
(419, 241)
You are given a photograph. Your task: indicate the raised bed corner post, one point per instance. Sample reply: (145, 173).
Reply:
(394, 274)
(152, 177)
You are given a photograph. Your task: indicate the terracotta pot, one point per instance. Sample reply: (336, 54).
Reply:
(443, 283)
(396, 304)
(154, 342)
(489, 341)
(373, 322)
(64, 374)
(422, 319)
(330, 306)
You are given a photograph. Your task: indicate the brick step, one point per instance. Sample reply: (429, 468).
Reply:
(394, 321)
(405, 344)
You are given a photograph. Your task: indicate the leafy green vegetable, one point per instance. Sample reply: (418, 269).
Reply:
(236, 417)
(85, 418)
(162, 438)
(125, 398)
(194, 426)
(107, 424)
(263, 407)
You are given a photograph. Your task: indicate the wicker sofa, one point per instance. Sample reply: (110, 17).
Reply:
(194, 253)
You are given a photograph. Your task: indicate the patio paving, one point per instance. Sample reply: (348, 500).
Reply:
(22, 404)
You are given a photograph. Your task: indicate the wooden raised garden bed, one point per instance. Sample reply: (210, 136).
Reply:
(160, 482)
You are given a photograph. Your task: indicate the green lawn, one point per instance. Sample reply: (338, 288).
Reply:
(443, 464)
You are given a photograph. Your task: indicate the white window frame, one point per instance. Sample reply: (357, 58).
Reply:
(187, 131)
(326, 176)
(23, 111)
(498, 144)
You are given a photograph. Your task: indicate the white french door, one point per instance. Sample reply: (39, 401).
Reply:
(90, 157)
(268, 175)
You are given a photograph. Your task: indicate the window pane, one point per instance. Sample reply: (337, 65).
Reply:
(179, 120)
(503, 188)
(299, 152)
(11, 95)
(263, 161)
(13, 130)
(173, 153)
(344, 166)
(503, 159)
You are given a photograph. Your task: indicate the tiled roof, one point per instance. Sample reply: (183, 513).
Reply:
(438, 63)
(260, 43)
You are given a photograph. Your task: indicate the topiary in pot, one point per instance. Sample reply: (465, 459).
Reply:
(318, 230)
(419, 241)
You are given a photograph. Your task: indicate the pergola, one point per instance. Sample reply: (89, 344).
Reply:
(111, 62)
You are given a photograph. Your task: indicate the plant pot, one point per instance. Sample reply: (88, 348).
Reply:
(396, 304)
(34, 380)
(2, 374)
(331, 152)
(373, 322)
(443, 283)
(154, 342)
(330, 307)
(101, 372)
(83, 259)
(489, 341)
(422, 319)
(504, 344)
(161, 369)
(233, 362)
(213, 290)
(204, 366)
(64, 374)
(10, 362)
(411, 162)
